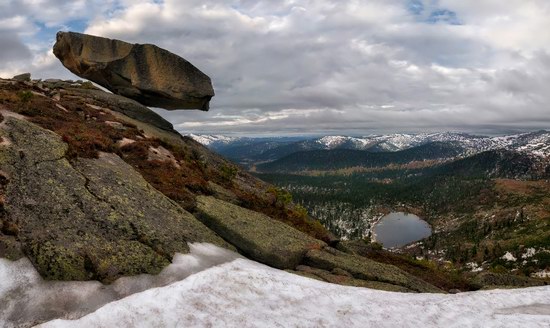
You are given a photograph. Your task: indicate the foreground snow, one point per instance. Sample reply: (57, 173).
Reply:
(243, 293)
(26, 299)
(215, 287)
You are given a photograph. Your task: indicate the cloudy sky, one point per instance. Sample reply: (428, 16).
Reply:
(322, 66)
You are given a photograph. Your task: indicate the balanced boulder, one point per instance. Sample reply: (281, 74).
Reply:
(144, 72)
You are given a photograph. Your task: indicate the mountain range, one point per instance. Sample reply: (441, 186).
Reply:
(249, 151)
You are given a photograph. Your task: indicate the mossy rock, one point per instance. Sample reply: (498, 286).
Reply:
(346, 280)
(365, 269)
(491, 280)
(128, 107)
(255, 234)
(10, 248)
(223, 193)
(129, 257)
(90, 218)
(56, 262)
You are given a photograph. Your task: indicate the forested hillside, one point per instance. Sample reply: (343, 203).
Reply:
(481, 207)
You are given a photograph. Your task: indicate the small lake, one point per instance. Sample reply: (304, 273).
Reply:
(399, 229)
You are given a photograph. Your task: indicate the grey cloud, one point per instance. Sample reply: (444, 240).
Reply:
(13, 49)
(325, 65)
(24, 45)
(357, 69)
(57, 12)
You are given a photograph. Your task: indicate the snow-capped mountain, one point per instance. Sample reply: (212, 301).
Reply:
(269, 149)
(209, 140)
(333, 142)
(397, 142)
(536, 143)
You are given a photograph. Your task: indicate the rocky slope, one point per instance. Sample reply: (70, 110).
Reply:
(96, 186)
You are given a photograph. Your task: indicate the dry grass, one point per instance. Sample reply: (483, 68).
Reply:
(81, 127)
(179, 184)
(521, 187)
(291, 216)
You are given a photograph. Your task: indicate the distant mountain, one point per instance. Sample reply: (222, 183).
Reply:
(214, 140)
(537, 143)
(244, 149)
(259, 150)
(346, 158)
(498, 163)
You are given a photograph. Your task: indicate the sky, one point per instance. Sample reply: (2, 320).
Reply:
(321, 66)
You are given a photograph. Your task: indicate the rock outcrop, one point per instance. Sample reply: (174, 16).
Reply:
(143, 72)
(257, 236)
(23, 77)
(125, 106)
(92, 218)
(361, 268)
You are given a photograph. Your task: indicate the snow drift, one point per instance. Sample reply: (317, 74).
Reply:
(243, 293)
(26, 299)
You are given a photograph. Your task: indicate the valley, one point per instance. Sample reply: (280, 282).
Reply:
(486, 198)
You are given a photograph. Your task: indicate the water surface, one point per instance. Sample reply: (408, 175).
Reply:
(398, 229)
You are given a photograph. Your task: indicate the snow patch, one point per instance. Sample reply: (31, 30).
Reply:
(243, 293)
(27, 299)
(541, 274)
(207, 140)
(474, 267)
(529, 252)
(509, 257)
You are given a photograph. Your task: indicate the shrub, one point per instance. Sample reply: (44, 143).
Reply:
(228, 172)
(376, 246)
(282, 197)
(25, 96)
(301, 211)
(87, 85)
(498, 268)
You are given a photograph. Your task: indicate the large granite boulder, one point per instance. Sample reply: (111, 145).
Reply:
(143, 72)
(256, 235)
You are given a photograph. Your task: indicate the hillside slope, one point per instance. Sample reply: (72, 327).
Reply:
(489, 211)
(95, 144)
(96, 186)
(326, 160)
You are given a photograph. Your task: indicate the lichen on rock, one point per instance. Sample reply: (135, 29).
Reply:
(256, 235)
(91, 219)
